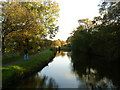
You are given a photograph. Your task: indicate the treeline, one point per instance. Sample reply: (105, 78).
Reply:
(57, 43)
(27, 24)
(100, 36)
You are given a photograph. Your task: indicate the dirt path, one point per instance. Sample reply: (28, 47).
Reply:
(24, 60)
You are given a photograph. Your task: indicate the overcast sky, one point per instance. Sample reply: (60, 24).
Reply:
(73, 10)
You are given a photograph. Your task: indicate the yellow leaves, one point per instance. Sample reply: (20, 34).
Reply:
(29, 4)
(35, 14)
(29, 19)
(26, 33)
(17, 13)
(23, 35)
(19, 35)
(13, 25)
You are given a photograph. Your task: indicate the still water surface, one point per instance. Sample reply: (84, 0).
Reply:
(61, 71)
(66, 72)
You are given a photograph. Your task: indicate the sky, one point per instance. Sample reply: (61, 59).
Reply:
(73, 10)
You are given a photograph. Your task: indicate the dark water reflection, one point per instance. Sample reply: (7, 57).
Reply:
(35, 81)
(75, 70)
(97, 72)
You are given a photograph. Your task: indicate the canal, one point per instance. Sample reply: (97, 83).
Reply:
(73, 70)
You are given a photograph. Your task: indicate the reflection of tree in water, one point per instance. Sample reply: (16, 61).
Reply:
(69, 55)
(35, 81)
(94, 72)
(60, 53)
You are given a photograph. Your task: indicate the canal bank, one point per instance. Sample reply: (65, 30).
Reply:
(13, 73)
(70, 70)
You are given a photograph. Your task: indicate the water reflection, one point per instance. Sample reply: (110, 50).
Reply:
(75, 70)
(60, 53)
(36, 81)
(61, 70)
(95, 71)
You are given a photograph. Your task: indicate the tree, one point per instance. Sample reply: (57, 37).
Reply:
(103, 38)
(56, 43)
(28, 21)
(47, 13)
(86, 23)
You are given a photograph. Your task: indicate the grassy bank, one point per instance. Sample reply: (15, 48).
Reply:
(17, 57)
(11, 59)
(11, 74)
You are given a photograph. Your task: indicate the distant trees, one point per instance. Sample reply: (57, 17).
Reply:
(58, 43)
(26, 24)
(102, 37)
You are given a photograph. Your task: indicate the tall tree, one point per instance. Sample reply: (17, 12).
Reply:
(27, 21)
(104, 37)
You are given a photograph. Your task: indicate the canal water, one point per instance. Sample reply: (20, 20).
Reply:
(69, 70)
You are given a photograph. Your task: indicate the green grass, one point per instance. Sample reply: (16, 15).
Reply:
(11, 59)
(13, 72)
(19, 57)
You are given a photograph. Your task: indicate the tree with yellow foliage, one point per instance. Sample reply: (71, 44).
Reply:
(27, 23)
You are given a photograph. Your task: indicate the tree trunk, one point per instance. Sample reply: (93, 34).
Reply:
(3, 44)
